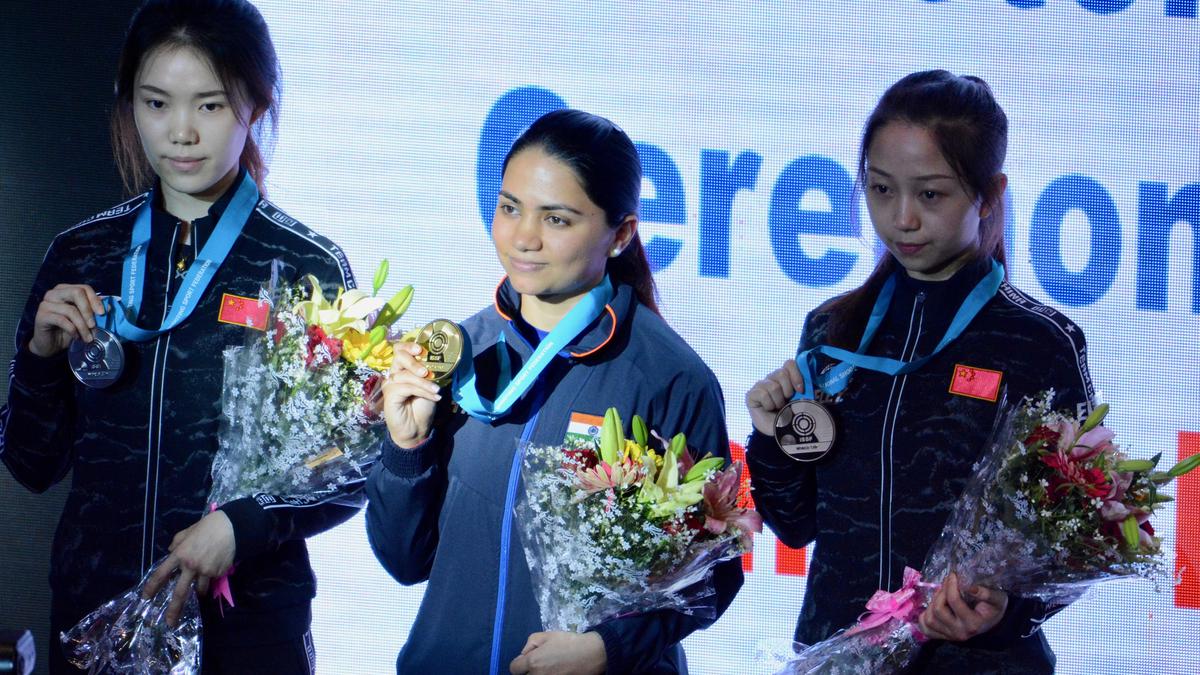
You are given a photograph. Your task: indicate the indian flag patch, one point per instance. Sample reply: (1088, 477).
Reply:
(584, 428)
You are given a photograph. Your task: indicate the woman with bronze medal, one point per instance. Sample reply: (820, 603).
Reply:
(573, 331)
(118, 372)
(863, 442)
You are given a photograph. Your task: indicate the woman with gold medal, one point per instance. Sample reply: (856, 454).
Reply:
(863, 443)
(572, 330)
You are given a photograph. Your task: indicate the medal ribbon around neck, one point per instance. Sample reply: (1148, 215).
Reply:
(513, 387)
(199, 276)
(835, 380)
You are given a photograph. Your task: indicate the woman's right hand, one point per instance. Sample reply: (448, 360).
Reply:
(409, 398)
(67, 312)
(766, 398)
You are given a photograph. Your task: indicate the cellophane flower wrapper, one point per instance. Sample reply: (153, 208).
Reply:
(300, 424)
(1035, 521)
(602, 554)
(129, 635)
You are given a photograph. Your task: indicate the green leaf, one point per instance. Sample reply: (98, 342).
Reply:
(1135, 465)
(395, 307)
(1161, 477)
(702, 467)
(1185, 466)
(1129, 528)
(1095, 418)
(381, 275)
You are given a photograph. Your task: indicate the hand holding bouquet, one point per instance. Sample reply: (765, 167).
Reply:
(615, 527)
(1053, 507)
(301, 420)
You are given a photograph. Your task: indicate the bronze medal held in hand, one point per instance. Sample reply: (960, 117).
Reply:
(804, 430)
(97, 364)
(442, 342)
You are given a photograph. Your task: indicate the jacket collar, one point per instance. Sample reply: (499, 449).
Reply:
(594, 339)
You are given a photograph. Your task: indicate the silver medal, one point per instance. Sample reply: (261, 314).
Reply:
(804, 430)
(97, 364)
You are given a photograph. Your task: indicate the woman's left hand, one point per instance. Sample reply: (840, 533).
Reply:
(950, 617)
(202, 552)
(556, 652)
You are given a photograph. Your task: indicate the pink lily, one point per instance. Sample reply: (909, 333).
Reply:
(720, 506)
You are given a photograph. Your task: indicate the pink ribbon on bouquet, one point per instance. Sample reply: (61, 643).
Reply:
(903, 604)
(220, 589)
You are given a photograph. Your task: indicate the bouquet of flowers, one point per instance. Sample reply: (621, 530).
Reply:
(615, 527)
(1053, 507)
(301, 411)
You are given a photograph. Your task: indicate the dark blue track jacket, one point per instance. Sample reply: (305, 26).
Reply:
(436, 512)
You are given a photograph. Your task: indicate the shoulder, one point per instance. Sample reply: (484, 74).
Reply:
(1023, 312)
(483, 326)
(662, 354)
(295, 236)
(103, 221)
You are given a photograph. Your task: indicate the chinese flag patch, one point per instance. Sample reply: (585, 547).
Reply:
(975, 382)
(239, 311)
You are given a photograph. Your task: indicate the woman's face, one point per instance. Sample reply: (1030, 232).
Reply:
(921, 209)
(551, 239)
(191, 132)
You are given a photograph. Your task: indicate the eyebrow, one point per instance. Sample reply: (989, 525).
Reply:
(547, 207)
(203, 94)
(931, 176)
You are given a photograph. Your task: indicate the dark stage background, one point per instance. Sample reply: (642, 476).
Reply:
(55, 169)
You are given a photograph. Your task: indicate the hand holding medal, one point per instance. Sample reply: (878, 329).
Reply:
(782, 406)
(67, 319)
(423, 364)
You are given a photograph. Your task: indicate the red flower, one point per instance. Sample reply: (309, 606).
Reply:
(580, 458)
(372, 396)
(1042, 435)
(280, 331)
(1071, 473)
(321, 349)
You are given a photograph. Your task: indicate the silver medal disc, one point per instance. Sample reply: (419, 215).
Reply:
(97, 364)
(804, 430)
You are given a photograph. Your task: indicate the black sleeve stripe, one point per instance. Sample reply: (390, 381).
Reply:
(1069, 330)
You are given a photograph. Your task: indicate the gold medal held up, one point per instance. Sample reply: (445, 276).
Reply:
(442, 344)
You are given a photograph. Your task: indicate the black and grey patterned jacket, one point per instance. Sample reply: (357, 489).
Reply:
(904, 451)
(141, 450)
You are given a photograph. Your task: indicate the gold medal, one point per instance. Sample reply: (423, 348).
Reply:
(442, 341)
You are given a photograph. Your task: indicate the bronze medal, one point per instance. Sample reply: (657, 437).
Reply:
(97, 364)
(804, 430)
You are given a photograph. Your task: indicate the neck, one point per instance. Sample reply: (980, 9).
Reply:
(544, 312)
(190, 206)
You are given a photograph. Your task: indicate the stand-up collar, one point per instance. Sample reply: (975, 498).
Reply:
(598, 335)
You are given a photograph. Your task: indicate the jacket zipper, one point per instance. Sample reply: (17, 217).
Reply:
(886, 475)
(506, 518)
(154, 424)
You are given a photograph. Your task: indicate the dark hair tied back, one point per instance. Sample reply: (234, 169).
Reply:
(606, 162)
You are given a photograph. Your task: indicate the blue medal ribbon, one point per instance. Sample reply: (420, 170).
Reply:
(835, 379)
(199, 276)
(513, 387)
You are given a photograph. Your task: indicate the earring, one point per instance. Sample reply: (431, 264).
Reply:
(616, 252)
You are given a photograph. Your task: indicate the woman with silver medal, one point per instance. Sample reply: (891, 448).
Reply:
(133, 303)
(912, 366)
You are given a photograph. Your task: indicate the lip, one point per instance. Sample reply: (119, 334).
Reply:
(525, 265)
(909, 249)
(185, 164)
